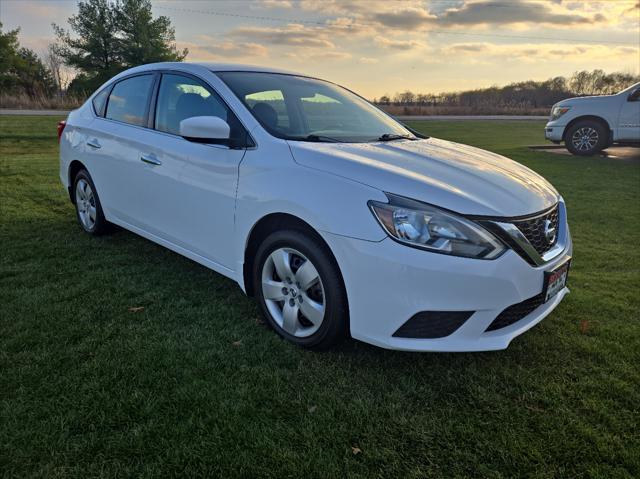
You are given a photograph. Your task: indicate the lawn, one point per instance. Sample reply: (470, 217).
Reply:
(120, 358)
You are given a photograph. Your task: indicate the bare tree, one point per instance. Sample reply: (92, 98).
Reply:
(54, 63)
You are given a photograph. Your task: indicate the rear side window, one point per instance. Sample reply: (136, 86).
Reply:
(100, 101)
(128, 100)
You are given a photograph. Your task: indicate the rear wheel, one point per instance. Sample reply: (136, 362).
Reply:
(299, 289)
(586, 138)
(88, 208)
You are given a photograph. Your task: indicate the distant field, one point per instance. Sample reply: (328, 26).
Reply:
(194, 384)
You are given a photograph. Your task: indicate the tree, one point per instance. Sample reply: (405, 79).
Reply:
(145, 39)
(21, 71)
(422, 99)
(54, 63)
(405, 98)
(526, 95)
(33, 76)
(110, 37)
(9, 47)
(95, 50)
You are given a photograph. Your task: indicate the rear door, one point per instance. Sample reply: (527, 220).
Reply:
(114, 142)
(190, 188)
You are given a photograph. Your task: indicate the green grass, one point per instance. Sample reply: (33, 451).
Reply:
(195, 384)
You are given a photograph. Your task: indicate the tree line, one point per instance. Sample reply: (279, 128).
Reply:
(104, 38)
(521, 95)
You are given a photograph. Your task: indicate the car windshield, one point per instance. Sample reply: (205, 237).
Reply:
(628, 89)
(300, 108)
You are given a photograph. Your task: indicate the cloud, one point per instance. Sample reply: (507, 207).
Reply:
(468, 48)
(39, 9)
(485, 12)
(238, 49)
(481, 52)
(405, 19)
(304, 56)
(352, 8)
(632, 8)
(369, 30)
(398, 44)
(276, 4)
(208, 49)
(292, 34)
(501, 13)
(296, 41)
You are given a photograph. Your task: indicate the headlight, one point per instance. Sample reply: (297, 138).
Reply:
(558, 111)
(430, 228)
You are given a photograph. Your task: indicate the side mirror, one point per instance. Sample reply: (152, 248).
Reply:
(634, 95)
(205, 129)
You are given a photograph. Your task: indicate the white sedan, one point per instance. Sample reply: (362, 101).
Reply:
(338, 219)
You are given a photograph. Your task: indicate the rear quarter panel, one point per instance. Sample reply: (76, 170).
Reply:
(73, 141)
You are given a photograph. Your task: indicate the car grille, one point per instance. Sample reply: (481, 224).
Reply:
(516, 312)
(534, 230)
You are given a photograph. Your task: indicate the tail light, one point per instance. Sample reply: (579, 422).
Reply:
(61, 125)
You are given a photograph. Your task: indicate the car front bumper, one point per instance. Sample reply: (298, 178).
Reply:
(387, 283)
(554, 132)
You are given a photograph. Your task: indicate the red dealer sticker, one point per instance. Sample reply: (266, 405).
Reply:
(556, 280)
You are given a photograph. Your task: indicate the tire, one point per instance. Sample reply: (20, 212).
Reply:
(586, 138)
(88, 207)
(307, 312)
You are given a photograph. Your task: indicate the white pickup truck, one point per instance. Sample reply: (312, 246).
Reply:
(589, 124)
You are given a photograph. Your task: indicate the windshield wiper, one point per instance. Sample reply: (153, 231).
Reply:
(393, 136)
(323, 138)
(318, 138)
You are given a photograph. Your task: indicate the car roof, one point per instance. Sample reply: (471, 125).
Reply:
(238, 67)
(214, 67)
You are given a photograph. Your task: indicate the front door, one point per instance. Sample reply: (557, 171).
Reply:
(191, 187)
(629, 121)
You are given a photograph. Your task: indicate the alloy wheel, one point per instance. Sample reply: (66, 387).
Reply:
(86, 204)
(293, 292)
(585, 138)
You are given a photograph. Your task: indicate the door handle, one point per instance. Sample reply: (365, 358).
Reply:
(94, 143)
(151, 159)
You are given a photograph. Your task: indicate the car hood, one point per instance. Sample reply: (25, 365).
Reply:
(590, 100)
(457, 177)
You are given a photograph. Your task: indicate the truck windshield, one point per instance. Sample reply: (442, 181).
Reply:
(300, 108)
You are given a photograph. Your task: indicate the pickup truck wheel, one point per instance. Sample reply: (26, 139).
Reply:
(586, 138)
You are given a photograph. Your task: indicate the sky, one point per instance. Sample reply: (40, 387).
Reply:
(383, 47)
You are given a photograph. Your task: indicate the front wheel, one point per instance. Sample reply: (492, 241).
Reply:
(586, 138)
(299, 289)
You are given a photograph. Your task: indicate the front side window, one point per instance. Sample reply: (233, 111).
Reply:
(182, 97)
(128, 100)
(301, 108)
